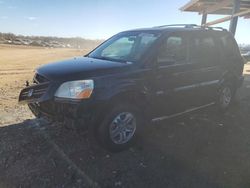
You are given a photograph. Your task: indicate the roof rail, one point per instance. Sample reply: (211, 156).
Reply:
(178, 25)
(192, 26)
(215, 28)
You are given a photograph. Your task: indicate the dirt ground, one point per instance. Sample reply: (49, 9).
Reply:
(17, 64)
(201, 149)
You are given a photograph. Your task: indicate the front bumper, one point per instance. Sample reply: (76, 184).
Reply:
(41, 101)
(68, 113)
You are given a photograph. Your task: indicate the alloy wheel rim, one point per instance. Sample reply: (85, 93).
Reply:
(122, 128)
(226, 96)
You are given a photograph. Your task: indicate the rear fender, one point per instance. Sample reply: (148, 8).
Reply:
(228, 77)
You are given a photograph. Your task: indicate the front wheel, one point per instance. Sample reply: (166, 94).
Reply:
(119, 128)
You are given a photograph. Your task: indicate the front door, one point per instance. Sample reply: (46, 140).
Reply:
(175, 83)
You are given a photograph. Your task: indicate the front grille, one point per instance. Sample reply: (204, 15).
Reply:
(33, 93)
(38, 79)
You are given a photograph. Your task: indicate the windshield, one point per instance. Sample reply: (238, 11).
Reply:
(125, 47)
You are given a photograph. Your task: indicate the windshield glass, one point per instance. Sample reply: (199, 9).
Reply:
(125, 47)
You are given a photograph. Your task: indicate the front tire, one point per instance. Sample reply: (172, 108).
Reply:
(119, 129)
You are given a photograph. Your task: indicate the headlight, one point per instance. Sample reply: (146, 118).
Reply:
(80, 89)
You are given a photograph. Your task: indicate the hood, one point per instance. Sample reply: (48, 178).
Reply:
(80, 68)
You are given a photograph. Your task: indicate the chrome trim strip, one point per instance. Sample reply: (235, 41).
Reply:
(197, 85)
(174, 65)
(209, 83)
(159, 92)
(181, 113)
(186, 87)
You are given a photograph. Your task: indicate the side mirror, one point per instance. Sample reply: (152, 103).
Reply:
(132, 38)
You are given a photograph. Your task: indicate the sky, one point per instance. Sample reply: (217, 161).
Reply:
(98, 19)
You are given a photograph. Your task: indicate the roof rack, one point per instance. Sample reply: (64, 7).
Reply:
(215, 28)
(178, 25)
(192, 26)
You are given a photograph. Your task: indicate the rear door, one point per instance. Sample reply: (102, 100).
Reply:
(205, 59)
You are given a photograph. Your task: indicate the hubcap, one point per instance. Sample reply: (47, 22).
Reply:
(122, 128)
(226, 96)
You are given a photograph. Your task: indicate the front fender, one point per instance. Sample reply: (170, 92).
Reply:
(134, 89)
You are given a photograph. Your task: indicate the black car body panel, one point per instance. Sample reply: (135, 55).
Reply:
(80, 68)
(156, 88)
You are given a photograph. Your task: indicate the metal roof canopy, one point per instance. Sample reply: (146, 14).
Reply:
(233, 8)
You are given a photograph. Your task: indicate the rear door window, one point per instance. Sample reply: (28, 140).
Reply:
(173, 50)
(203, 49)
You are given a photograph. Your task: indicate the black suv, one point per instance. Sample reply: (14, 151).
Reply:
(136, 76)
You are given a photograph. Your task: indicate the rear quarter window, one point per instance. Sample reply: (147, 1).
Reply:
(229, 46)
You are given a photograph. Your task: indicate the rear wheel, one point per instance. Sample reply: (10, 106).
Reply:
(119, 128)
(225, 97)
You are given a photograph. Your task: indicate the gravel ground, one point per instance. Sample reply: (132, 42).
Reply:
(201, 149)
(197, 150)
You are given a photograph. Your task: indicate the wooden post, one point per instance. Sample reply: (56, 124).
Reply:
(234, 20)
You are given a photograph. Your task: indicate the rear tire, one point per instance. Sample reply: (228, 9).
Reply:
(225, 97)
(119, 128)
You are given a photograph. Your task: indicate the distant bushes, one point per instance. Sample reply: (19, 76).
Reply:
(53, 42)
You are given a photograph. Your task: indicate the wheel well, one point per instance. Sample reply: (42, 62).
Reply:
(229, 78)
(232, 80)
(137, 100)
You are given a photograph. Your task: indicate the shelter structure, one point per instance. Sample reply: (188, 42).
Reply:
(232, 9)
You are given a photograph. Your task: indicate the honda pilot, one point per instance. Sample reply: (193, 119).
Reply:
(138, 76)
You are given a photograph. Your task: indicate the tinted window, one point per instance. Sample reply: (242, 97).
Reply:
(203, 49)
(173, 50)
(229, 46)
(121, 47)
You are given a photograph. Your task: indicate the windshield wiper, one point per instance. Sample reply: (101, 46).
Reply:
(110, 59)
